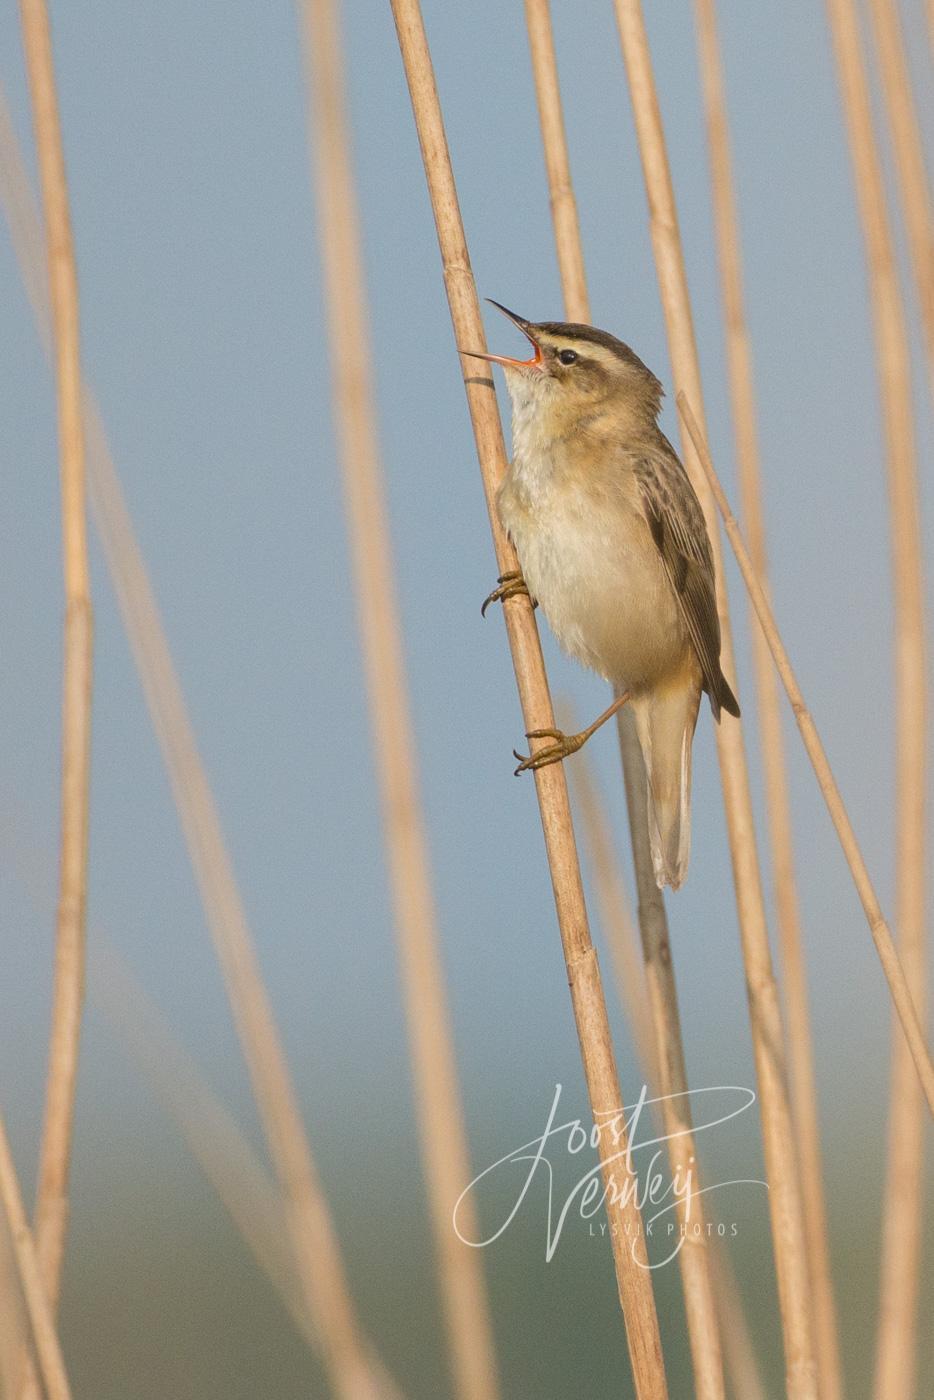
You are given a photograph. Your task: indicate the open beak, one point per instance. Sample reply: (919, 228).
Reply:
(536, 360)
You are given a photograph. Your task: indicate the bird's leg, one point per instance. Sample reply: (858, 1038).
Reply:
(565, 744)
(509, 585)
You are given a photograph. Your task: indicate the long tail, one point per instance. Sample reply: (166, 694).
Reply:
(665, 720)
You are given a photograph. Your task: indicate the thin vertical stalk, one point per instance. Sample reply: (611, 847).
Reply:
(903, 1196)
(313, 1237)
(910, 167)
(616, 915)
(440, 1113)
(881, 934)
(68, 994)
(38, 1309)
(700, 1309)
(694, 1258)
(765, 1018)
(633, 1279)
(772, 744)
(215, 1139)
(739, 1354)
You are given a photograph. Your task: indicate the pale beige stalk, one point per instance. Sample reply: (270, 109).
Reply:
(13, 1324)
(772, 744)
(312, 1232)
(700, 1309)
(910, 168)
(68, 993)
(38, 1310)
(881, 934)
(634, 1281)
(438, 1102)
(765, 1018)
(742, 1367)
(616, 915)
(739, 1352)
(903, 1198)
(213, 1136)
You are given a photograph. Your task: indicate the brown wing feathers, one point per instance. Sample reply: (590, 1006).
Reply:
(677, 524)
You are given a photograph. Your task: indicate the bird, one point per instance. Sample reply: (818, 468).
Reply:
(612, 544)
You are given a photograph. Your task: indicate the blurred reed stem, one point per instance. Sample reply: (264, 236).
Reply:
(739, 1354)
(672, 1083)
(38, 1310)
(772, 746)
(787, 1217)
(908, 149)
(445, 1153)
(904, 1191)
(629, 1256)
(51, 1212)
(615, 913)
(312, 1236)
(214, 1139)
(881, 934)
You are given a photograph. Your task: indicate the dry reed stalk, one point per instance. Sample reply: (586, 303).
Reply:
(443, 1134)
(739, 1353)
(908, 148)
(51, 1215)
(738, 1349)
(703, 1330)
(881, 934)
(615, 912)
(778, 806)
(39, 1314)
(213, 1136)
(694, 1258)
(903, 1198)
(635, 1289)
(312, 1232)
(14, 1337)
(785, 1204)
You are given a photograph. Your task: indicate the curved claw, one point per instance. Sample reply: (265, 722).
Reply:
(563, 747)
(509, 585)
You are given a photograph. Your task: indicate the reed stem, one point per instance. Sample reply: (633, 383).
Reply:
(38, 1311)
(772, 744)
(910, 167)
(765, 1018)
(903, 1198)
(881, 934)
(741, 1365)
(214, 1138)
(440, 1114)
(633, 1280)
(667, 1042)
(51, 1214)
(312, 1234)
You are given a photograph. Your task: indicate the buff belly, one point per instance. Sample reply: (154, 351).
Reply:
(603, 589)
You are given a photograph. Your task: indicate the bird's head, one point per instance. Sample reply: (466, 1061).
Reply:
(575, 372)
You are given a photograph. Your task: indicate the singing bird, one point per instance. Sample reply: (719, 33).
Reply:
(612, 544)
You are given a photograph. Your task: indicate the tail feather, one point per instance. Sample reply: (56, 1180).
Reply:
(665, 723)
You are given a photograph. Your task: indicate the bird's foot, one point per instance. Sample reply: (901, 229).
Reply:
(509, 586)
(563, 747)
(565, 744)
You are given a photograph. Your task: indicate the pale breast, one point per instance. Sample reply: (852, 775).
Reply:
(588, 557)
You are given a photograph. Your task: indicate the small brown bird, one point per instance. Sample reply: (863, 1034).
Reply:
(612, 543)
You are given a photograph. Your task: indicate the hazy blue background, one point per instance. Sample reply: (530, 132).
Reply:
(203, 335)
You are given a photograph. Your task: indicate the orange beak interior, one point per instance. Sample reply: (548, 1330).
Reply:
(534, 363)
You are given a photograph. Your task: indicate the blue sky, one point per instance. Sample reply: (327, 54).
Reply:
(204, 338)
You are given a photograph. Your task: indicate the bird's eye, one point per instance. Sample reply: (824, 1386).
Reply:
(567, 357)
